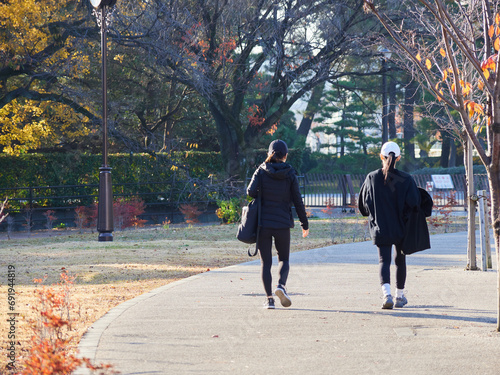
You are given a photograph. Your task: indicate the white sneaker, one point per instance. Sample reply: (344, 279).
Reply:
(269, 304)
(283, 296)
(400, 302)
(388, 303)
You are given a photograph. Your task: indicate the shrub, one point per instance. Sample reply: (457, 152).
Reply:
(229, 210)
(28, 218)
(50, 353)
(77, 168)
(166, 223)
(127, 211)
(50, 217)
(443, 214)
(190, 212)
(82, 217)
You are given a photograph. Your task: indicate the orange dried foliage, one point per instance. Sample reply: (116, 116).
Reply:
(191, 213)
(273, 129)
(255, 116)
(490, 63)
(474, 108)
(51, 353)
(443, 217)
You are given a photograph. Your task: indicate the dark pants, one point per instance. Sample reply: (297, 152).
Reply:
(385, 253)
(282, 243)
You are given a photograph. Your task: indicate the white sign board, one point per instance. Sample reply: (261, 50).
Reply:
(442, 181)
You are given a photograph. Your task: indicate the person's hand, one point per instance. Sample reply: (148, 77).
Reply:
(305, 233)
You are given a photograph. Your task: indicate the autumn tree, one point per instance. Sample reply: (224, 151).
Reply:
(43, 61)
(221, 49)
(453, 50)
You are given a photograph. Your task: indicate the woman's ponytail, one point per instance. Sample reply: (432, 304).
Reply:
(271, 158)
(275, 157)
(388, 165)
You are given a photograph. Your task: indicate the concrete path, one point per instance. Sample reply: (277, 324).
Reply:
(214, 323)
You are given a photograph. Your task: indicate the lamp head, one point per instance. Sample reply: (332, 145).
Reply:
(100, 3)
(387, 53)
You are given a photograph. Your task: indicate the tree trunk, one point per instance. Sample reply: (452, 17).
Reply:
(311, 110)
(445, 150)
(494, 182)
(229, 143)
(408, 125)
(471, 205)
(453, 154)
(342, 137)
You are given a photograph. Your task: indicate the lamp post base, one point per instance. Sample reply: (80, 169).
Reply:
(105, 206)
(105, 236)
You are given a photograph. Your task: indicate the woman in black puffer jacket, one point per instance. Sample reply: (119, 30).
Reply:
(280, 189)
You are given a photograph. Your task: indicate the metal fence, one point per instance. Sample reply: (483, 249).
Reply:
(27, 205)
(342, 190)
(335, 190)
(458, 193)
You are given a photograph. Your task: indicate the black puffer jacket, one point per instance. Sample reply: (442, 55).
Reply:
(280, 188)
(388, 205)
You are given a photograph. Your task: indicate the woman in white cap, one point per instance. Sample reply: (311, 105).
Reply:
(387, 196)
(280, 189)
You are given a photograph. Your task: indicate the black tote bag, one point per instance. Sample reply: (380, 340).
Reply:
(249, 225)
(249, 228)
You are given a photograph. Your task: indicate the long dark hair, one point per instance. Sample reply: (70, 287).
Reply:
(388, 165)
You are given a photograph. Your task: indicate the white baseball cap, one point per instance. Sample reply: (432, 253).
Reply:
(389, 147)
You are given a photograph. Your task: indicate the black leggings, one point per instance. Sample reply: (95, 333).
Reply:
(282, 243)
(384, 253)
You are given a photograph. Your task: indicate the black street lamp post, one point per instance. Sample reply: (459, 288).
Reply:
(385, 128)
(105, 204)
(385, 108)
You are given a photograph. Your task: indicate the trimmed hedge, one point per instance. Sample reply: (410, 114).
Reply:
(30, 170)
(79, 169)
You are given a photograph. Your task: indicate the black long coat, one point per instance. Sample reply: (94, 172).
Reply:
(416, 230)
(388, 205)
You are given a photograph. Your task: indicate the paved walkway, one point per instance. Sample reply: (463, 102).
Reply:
(213, 323)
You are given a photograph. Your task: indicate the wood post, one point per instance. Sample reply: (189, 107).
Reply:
(484, 230)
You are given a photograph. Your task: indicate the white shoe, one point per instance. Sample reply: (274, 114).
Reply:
(283, 296)
(388, 303)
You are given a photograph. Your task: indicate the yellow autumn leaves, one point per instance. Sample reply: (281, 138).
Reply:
(31, 125)
(29, 29)
(26, 22)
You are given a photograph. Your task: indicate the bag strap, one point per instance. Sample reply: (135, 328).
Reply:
(259, 201)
